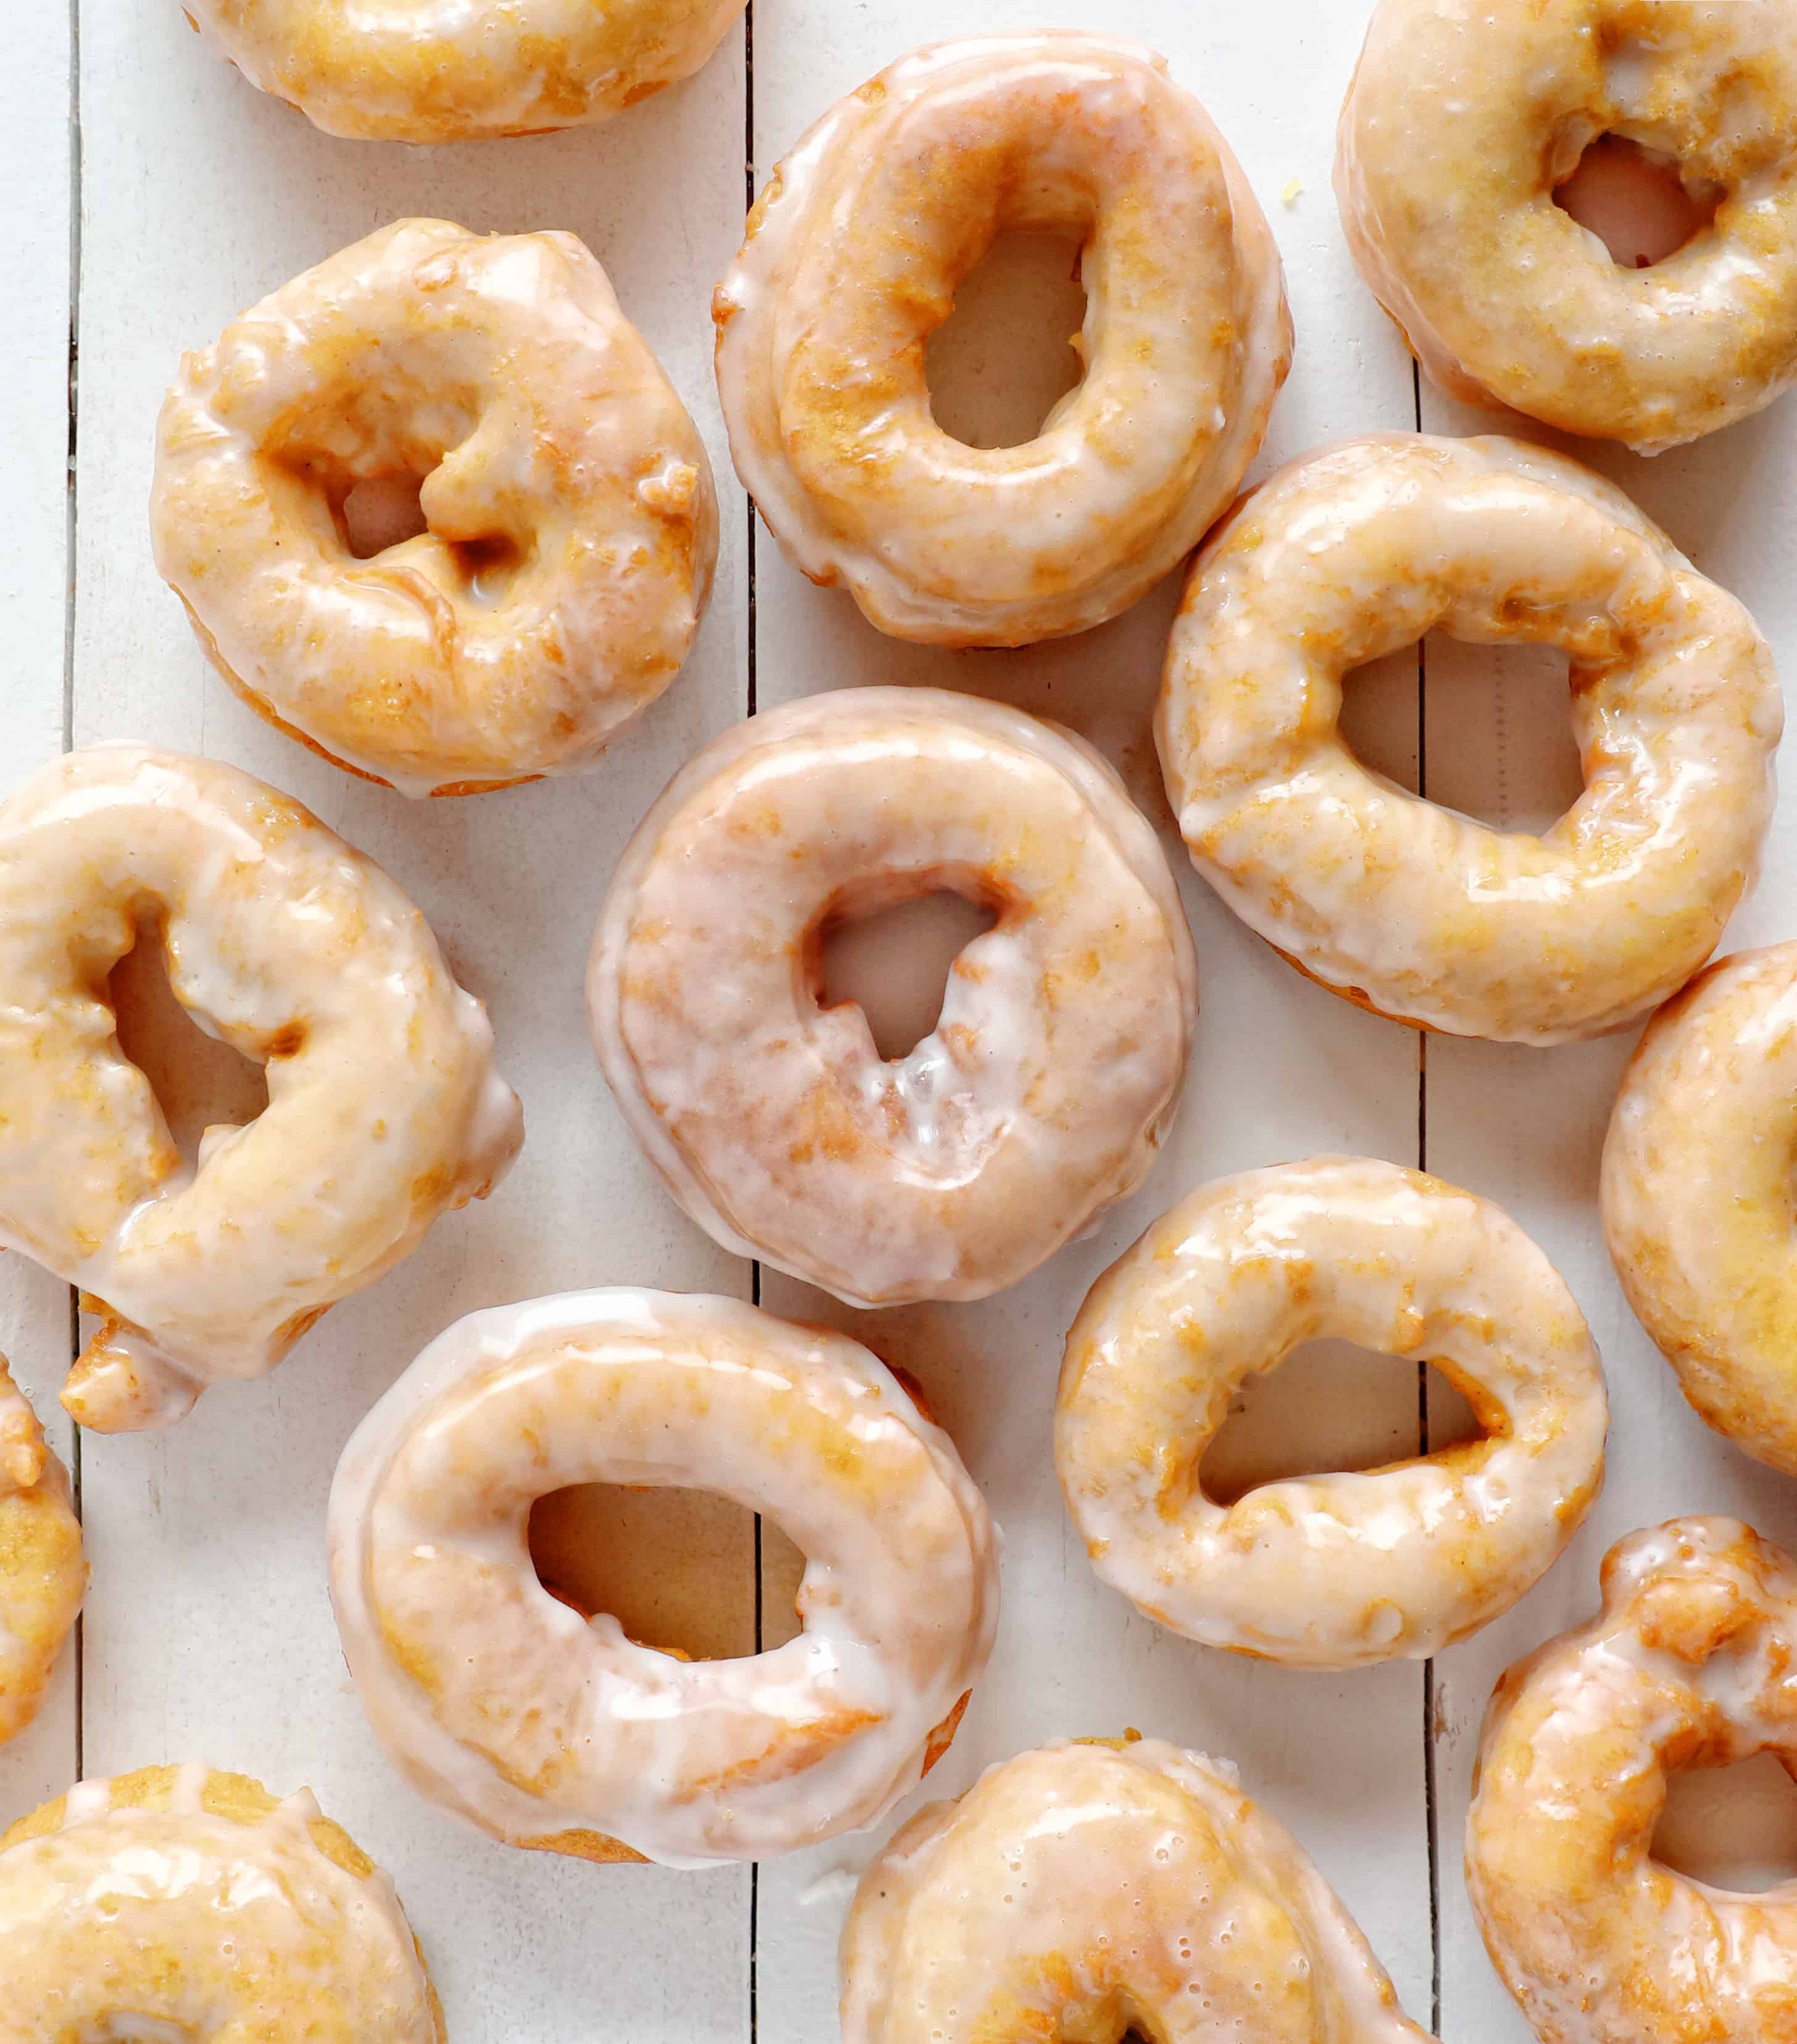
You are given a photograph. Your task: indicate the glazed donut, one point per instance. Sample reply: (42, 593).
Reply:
(1042, 1094)
(442, 71)
(1697, 1198)
(43, 1576)
(855, 249)
(572, 525)
(1462, 121)
(383, 1106)
(1416, 911)
(1329, 1571)
(546, 1729)
(1688, 1665)
(181, 1902)
(1088, 1888)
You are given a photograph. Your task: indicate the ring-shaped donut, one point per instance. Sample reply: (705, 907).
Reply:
(441, 70)
(571, 524)
(1688, 1665)
(1412, 909)
(384, 1107)
(43, 1574)
(855, 249)
(178, 1902)
(546, 1729)
(1093, 1889)
(1697, 1197)
(1461, 123)
(1042, 1094)
(1329, 1571)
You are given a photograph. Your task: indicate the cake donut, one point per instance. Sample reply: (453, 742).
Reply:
(1697, 1197)
(446, 70)
(571, 524)
(855, 249)
(1042, 1094)
(1412, 909)
(1328, 1571)
(545, 1728)
(1091, 1888)
(43, 1575)
(181, 1902)
(1688, 1665)
(1459, 126)
(384, 1107)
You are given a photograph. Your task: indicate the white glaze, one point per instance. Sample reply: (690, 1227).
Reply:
(1330, 1571)
(854, 251)
(1697, 1195)
(1079, 1887)
(177, 1922)
(1460, 123)
(1041, 1095)
(440, 71)
(43, 1576)
(572, 523)
(1687, 1665)
(384, 1109)
(1417, 911)
(543, 1728)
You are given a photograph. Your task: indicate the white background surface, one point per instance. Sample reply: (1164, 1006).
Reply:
(208, 1633)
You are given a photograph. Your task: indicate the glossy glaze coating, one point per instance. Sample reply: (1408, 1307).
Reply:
(855, 249)
(1462, 121)
(1087, 1888)
(572, 525)
(1329, 1571)
(545, 1728)
(1688, 1665)
(442, 71)
(384, 1110)
(1698, 1199)
(1042, 1094)
(1413, 910)
(179, 1903)
(43, 1575)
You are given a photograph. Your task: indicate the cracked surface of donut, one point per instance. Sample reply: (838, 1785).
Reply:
(855, 248)
(42, 1573)
(572, 526)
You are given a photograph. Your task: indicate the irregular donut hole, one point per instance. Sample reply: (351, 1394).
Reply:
(381, 511)
(1634, 199)
(1731, 1827)
(199, 1081)
(889, 949)
(1329, 1408)
(1006, 355)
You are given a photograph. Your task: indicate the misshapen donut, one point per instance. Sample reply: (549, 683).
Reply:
(1688, 1665)
(181, 1902)
(1041, 1096)
(855, 249)
(384, 1107)
(442, 71)
(1697, 1195)
(1461, 123)
(1085, 1889)
(545, 1729)
(1330, 1571)
(1412, 909)
(572, 525)
(43, 1576)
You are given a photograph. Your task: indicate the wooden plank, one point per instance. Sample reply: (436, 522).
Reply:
(1281, 1068)
(210, 1631)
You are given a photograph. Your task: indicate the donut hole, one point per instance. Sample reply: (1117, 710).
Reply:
(891, 958)
(380, 511)
(1636, 200)
(199, 1080)
(1330, 1408)
(1006, 355)
(1731, 1827)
